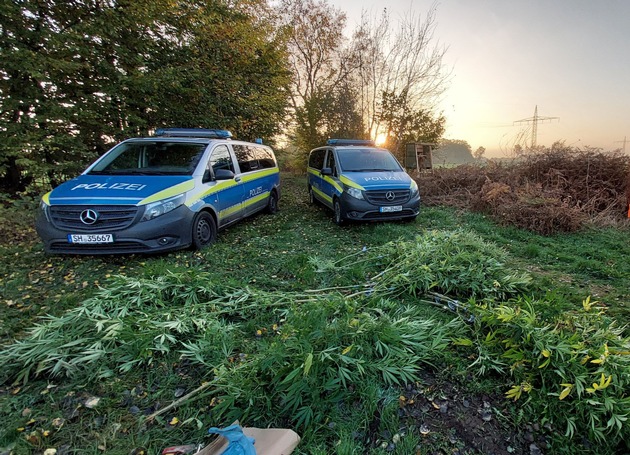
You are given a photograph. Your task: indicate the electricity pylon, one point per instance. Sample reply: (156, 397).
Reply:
(534, 121)
(624, 144)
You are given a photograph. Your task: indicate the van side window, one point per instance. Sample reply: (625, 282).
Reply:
(246, 157)
(265, 158)
(330, 162)
(220, 159)
(316, 160)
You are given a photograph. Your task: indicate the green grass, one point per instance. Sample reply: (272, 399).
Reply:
(275, 256)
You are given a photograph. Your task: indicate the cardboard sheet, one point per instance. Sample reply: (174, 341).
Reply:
(268, 441)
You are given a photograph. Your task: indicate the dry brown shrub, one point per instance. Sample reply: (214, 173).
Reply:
(528, 207)
(491, 192)
(554, 190)
(594, 181)
(449, 187)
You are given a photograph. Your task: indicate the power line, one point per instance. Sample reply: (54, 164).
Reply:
(534, 121)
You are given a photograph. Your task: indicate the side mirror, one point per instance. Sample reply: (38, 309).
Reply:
(207, 176)
(223, 174)
(326, 171)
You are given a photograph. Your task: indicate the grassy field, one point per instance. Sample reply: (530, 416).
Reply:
(336, 332)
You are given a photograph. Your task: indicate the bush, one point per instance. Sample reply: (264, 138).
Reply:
(554, 190)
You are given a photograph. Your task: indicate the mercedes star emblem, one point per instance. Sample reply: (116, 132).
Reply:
(88, 216)
(390, 195)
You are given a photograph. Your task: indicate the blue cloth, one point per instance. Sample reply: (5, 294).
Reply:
(239, 444)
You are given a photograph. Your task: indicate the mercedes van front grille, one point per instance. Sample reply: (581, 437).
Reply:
(92, 217)
(387, 197)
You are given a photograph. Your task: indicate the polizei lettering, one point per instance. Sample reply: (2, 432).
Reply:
(383, 177)
(110, 186)
(256, 191)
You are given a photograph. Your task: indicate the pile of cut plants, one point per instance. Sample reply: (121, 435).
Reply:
(341, 364)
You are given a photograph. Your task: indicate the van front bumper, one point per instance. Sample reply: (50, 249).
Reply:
(362, 210)
(168, 232)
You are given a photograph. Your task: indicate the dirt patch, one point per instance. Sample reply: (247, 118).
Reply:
(451, 420)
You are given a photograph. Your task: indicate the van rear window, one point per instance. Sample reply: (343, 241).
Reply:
(151, 158)
(253, 158)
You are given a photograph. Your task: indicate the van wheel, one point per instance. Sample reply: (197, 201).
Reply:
(272, 204)
(338, 216)
(204, 231)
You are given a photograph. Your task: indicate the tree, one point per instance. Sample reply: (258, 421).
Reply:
(387, 80)
(323, 97)
(479, 152)
(400, 65)
(403, 124)
(453, 151)
(341, 117)
(76, 76)
(228, 68)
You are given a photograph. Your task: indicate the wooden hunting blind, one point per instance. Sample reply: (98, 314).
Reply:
(418, 155)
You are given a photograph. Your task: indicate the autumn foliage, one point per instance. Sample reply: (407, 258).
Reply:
(554, 190)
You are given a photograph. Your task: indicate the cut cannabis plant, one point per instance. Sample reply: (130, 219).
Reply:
(574, 371)
(458, 263)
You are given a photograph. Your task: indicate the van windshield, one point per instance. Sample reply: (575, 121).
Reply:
(151, 158)
(367, 160)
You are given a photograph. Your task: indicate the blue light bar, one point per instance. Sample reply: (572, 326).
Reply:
(365, 142)
(193, 132)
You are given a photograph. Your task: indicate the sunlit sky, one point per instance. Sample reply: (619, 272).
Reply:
(571, 58)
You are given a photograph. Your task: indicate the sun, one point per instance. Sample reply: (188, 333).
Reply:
(381, 138)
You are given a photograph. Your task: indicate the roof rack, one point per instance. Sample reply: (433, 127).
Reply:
(366, 142)
(193, 132)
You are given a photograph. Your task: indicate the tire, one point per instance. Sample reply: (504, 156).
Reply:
(272, 203)
(204, 231)
(338, 216)
(311, 196)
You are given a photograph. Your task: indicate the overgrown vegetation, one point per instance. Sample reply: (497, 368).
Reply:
(75, 77)
(317, 328)
(575, 368)
(555, 190)
(384, 81)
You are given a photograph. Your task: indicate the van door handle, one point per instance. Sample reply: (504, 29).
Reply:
(238, 179)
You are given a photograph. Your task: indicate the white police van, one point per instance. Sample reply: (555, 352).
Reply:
(160, 193)
(361, 182)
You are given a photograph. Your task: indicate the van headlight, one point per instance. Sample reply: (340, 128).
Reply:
(44, 208)
(155, 209)
(355, 192)
(414, 189)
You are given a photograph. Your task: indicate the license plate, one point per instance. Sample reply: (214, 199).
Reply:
(90, 238)
(391, 208)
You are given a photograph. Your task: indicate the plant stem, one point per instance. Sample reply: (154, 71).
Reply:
(176, 403)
